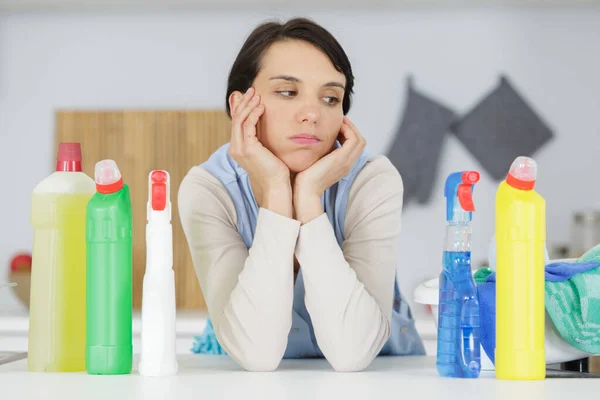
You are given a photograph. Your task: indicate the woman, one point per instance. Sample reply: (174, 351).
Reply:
(292, 227)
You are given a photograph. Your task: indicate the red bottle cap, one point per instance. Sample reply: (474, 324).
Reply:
(108, 177)
(69, 157)
(522, 173)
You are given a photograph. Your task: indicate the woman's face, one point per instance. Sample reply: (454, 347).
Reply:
(302, 93)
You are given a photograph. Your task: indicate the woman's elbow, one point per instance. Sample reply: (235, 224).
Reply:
(356, 356)
(350, 361)
(257, 350)
(260, 359)
(262, 354)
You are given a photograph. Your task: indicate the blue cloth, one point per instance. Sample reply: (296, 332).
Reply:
(207, 343)
(404, 339)
(555, 272)
(561, 271)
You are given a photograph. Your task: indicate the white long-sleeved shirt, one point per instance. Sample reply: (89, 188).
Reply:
(349, 292)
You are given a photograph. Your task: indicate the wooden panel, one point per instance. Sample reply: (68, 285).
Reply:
(140, 141)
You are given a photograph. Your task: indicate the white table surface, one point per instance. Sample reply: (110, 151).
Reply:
(218, 377)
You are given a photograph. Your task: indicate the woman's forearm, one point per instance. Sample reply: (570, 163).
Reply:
(254, 323)
(249, 293)
(307, 207)
(349, 324)
(279, 200)
(350, 290)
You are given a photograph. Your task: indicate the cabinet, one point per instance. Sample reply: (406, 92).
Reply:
(140, 141)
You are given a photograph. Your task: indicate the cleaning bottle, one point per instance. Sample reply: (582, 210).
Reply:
(157, 357)
(458, 345)
(520, 241)
(109, 347)
(57, 295)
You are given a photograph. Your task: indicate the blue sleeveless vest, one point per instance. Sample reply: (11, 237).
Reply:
(404, 339)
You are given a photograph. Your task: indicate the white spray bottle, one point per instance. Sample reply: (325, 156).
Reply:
(157, 356)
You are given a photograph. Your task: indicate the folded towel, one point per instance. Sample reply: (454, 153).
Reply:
(486, 292)
(574, 305)
(591, 255)
(575, 281)
(481, 274)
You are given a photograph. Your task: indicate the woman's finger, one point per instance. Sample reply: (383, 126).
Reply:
(240, 102)
(343, 155)
(249, 127)
(242, 115)
(348, 138)
(353, 145)
(236, 130)
(360, 141)
(242, 111)
(245, 99)
(237, 97)
(245, 110)
(352, 126)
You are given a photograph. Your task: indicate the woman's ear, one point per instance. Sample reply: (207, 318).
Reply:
(234, 100)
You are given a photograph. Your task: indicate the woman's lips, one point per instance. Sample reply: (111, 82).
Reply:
(305, 138)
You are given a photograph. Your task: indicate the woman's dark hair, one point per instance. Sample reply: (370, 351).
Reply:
(247, 64)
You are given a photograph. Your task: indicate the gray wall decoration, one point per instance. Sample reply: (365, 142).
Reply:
(416, 150)
(501, 127)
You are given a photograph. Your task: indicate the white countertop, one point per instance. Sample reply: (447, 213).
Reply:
(218, 377)
(14, 328)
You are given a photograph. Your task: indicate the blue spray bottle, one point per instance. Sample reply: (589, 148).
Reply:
(458, 345)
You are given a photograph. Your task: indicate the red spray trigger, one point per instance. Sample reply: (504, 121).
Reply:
(159, 190)
(465, 197)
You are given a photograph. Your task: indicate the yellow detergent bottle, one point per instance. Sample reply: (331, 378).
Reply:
(520, 241)
(57, 297)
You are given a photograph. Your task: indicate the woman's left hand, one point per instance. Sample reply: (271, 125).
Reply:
(311, 183)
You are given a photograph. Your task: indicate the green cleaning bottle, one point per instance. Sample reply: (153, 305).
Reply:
(109, 347)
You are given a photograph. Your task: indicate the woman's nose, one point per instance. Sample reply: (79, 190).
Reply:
(308, 113)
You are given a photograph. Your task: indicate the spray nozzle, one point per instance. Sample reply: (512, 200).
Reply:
(158, 193)
(459, 194)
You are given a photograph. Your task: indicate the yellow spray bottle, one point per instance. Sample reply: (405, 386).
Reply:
(520, 241)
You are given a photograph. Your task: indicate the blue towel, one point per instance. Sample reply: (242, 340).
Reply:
(555, 272)
(207, 343)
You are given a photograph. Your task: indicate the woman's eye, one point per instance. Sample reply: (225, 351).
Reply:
(286, 93)
(331, 100)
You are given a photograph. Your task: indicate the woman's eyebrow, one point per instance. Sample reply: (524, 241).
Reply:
(290, 78)
(286, 78)
(335, 84)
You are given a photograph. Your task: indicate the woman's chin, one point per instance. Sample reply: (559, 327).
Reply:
(299, 162)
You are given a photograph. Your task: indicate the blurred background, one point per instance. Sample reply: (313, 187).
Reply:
(138, 81)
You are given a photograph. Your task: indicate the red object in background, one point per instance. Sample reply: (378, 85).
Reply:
(21, 262)
(20, 273)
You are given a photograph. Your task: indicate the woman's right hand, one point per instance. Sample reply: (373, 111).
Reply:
(266, 171)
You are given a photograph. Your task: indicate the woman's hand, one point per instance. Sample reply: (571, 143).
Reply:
(311, 183)
(269, 176)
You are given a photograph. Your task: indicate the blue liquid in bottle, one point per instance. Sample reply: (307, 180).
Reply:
(458, 352)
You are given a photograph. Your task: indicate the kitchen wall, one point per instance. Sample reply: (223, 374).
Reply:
(115, 61)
